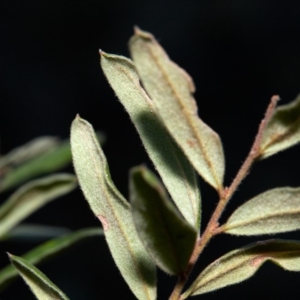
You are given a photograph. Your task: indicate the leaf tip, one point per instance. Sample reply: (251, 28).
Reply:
(142, 34)
(136, 29)
(102, 53)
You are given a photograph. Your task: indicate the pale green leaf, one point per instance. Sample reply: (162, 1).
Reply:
(239, 265)
(31, 196)
(113, 211)
(167, 236)
(39, 283)
(283, 130)
(28, 151)
(47, 250)
(53, 160)
(171, 88)
(172, 165)
(274, 211)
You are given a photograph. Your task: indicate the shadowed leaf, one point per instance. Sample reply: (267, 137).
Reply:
(283, 130)
(34, 232)
(47, 250)
(171, 89)
(40, 284)
(274, 211)
(172, 165)
(31, 196)
(113, 211)
(28, 151)
(48, 162)
(168, 237)
(239, 265)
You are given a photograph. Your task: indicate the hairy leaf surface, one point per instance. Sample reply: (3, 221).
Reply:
(283, 130)
(241, 264)
(171, 88)
(48, 249)
(31, 196)
(39, 283)
(168, 237)
(175, 170)
(274, 211)
(113, 211)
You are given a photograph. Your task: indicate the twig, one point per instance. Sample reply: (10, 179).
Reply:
(212, 227)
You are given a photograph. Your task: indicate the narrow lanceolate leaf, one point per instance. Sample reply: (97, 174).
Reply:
(50, 161)
(31, 196)
(239, 265)
(39, 283)
(171, 88)
(274, 211)
(48, 250)
(26, 152)
(168, 237)
(34, 232)
(175, 170)
(283, 130)
(113, 211)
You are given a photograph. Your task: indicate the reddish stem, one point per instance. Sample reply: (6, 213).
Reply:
(212, 227)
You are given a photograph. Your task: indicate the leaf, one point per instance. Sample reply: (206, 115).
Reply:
(47, 250)
(239, 265)
(48, 162)
(274, 211)
(28, 151)
(31, 196)
(171, 88)
(172, 165)
(40, 285)
(34, 232)
(168, 237)
(283, 130)
(112, 210)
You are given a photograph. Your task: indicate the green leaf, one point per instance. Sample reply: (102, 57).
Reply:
(239, 265)
(51, 161)
(171, 88)
(168, 237)
(31, 196)
(47, 250)
(39, 283)
(34, 232)
(274, 211)
(172, 165)
(113, 211)
(283, 130)
(28, 151)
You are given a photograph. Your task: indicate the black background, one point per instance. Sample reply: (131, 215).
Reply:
(239, 53)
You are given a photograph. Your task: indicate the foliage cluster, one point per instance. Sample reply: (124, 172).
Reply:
(160, 226)
(28, 163)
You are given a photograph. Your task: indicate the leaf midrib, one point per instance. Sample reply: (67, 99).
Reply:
(114, 214)
(186, 114)
(151, 106)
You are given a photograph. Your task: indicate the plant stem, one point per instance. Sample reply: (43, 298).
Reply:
(213, 225)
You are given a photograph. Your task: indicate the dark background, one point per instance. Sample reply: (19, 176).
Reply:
(239, 53)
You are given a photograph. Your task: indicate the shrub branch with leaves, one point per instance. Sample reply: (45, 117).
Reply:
(161, 224)
(154, 230)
